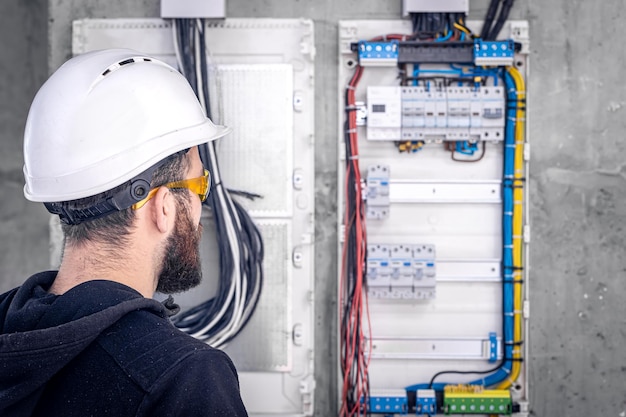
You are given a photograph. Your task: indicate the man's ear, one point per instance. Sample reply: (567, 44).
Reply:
(164, 209)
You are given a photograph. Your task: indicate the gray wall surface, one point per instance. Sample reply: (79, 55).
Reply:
(577, 103)
(23, 68)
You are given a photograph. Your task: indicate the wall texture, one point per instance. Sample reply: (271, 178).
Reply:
(577, 102)
(23, 68)
(578, 208)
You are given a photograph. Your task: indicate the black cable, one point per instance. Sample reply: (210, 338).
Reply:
(491, 13)
(488, 371)
(502, 17)
(246, 194)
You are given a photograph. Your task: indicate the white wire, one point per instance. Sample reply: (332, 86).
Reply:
(236, 281)
(232, 238)
(238, 289)
(176, 50)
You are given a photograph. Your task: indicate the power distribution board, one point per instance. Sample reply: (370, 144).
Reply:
(433, 217)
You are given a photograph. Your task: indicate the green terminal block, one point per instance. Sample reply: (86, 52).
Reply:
(482, 402)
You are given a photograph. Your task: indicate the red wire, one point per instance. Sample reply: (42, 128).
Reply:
(351, 331)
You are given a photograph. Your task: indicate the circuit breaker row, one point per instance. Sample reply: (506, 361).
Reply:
(436, 113)
(401, 271)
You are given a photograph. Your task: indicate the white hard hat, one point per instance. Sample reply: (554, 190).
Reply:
(103, 118)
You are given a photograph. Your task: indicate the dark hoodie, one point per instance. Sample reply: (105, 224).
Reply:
(101, 349)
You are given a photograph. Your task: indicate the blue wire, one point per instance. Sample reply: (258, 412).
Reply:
(445, 38)
(507, 254)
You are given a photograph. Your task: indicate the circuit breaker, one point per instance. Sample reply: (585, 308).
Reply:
(432, 214)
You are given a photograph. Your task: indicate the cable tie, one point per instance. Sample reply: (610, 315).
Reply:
(518, 343)
(508, 179)
(351, 131)
(508, 246)
(353, 157)
(509, 314)
(350, 87)
(351, 108)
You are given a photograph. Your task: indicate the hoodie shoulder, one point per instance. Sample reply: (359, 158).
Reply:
(146, 346)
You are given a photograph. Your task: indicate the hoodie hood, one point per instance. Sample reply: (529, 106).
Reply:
(40, 333)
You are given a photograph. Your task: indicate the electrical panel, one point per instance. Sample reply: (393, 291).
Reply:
(433, 215)
(260, 73)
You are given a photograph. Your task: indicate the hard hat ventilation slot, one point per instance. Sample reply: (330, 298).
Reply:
(126, 61)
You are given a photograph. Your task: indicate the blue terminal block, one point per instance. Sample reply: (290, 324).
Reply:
(493, 347)
(497, 53)
(378, 54)
(388, 405)
(425, 402)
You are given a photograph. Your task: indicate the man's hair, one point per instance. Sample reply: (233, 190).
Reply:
(114, 228)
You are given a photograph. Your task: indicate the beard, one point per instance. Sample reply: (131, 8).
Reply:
(181, 269)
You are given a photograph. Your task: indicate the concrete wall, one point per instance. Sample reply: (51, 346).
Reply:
(577, 102)
(23, 68)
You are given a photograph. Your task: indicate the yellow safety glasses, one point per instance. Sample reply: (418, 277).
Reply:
(198, 186)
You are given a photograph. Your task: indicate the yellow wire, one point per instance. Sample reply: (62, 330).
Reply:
(462, 29)
(518, 225)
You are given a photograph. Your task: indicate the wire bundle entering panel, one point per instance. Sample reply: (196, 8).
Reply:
(219, 319)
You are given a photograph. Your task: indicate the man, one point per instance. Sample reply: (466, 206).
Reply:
(111, 147)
